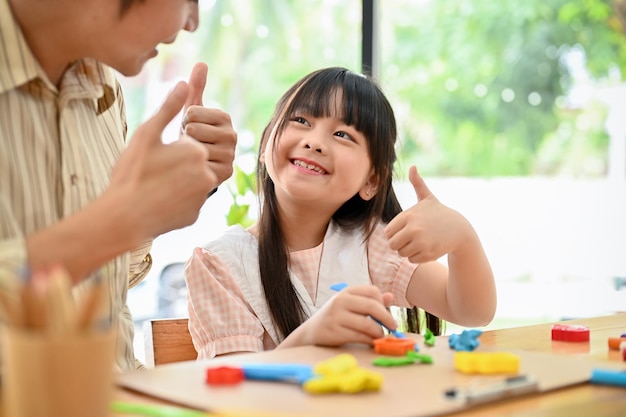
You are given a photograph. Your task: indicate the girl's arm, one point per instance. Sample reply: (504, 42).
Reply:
(465, 293)
(220, 320)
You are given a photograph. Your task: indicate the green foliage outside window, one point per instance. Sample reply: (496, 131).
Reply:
(485, 86)
(480, 88)
(243, 183)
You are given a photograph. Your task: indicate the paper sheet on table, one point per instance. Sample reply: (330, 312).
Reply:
(416, 390)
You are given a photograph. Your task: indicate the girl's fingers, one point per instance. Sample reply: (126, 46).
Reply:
(360, 329)
(365, 291)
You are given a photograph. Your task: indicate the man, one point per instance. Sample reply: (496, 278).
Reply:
(71, 193)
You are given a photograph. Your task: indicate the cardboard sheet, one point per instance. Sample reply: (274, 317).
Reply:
(414, 390)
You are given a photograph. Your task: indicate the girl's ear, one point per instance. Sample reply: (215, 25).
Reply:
(369, 189)
(262, 151)
(264, 139)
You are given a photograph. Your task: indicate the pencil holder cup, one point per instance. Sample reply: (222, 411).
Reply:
(49, 375)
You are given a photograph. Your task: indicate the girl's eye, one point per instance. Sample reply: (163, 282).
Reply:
(300, 120)
(344, 135)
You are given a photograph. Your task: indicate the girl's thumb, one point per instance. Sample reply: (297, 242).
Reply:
(420, 187)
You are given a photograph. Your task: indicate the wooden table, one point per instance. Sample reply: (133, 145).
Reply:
(578, 400)
(582, 399)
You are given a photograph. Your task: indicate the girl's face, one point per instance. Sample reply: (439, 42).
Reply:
(319, 161)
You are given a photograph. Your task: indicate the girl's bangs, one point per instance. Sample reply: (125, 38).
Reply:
(319, 95)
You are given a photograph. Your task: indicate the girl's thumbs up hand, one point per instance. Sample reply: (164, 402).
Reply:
(428, 230)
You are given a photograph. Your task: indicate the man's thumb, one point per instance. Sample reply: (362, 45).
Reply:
(172, 105)
(197, 82)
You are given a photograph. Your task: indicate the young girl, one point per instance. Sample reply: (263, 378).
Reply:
(329, 214)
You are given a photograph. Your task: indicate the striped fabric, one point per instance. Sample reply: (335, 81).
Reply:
(58, 146)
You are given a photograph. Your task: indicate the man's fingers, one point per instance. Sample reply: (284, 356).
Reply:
(209, 125)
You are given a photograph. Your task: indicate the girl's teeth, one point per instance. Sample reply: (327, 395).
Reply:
(307, 166)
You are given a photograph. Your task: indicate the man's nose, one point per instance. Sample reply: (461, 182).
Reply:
(193, 20)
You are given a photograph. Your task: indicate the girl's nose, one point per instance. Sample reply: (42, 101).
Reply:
(316, 148)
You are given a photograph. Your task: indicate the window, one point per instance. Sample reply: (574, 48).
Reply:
(510, 109)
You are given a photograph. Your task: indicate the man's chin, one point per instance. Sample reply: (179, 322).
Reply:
(130, 70)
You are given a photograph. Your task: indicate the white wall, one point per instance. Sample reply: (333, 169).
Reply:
(554, 244)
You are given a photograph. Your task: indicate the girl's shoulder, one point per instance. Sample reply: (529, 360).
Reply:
(349, 236)
(234, 243)
(334, 228)
(377, 240)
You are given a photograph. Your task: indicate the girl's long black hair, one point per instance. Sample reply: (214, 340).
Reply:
(365, 107)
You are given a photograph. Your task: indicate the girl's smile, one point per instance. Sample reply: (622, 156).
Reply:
(308, 166)
(318, 158)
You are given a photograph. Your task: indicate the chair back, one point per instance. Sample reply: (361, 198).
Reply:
(167, 340)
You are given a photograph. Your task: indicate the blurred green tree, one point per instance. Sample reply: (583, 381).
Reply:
(484, 88)
(480, 88)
